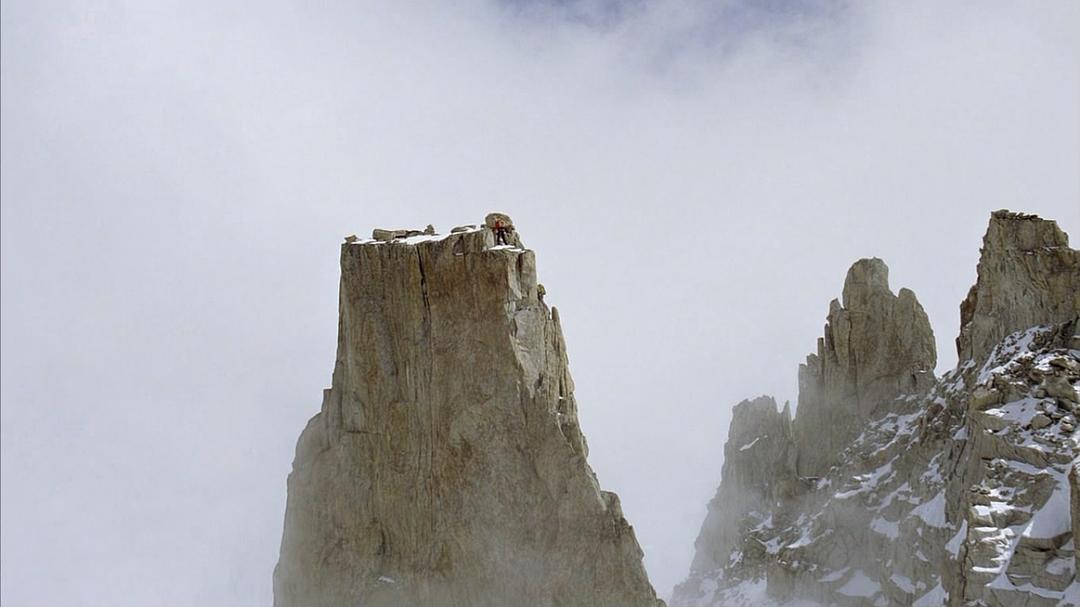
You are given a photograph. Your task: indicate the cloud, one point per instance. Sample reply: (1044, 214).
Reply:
(695, 177)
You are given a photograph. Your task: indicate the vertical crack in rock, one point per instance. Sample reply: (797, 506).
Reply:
(445, 467)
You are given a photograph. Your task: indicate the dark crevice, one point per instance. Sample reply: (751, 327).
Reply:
(427, 371)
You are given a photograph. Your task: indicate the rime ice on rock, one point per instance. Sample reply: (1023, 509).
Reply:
(958, 492)
(446, 466)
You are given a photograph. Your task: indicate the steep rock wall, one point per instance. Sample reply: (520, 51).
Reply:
(876, 347)
(446, 466)
(1027, 275)
(759, 469)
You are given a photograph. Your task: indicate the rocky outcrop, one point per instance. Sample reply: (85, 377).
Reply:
(955, 492)
(446, 466)
(877, 346)
(1027, 275)
(759, 469)
(1015, 536)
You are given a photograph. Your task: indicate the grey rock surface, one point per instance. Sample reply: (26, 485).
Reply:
(960, 492)
(759, 469)
(1074, 510)
(876, 346)
(1027, 275)
(446, 466)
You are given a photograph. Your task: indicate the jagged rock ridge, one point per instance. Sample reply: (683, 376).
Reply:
(876, 346)
(446, 466)
(958, 492)
(1027, 275)
(759, 470)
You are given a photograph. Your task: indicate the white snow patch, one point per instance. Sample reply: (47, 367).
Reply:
(869, 481)
(903, 583)
(953, 546)
(749, 444)
(835, 576)
(748, 593)
(765, 524)
(860, 586)
(1017, 412)
(1053, 518)
(889, 529)
(1009, 349)
(896, 495)
(935, 598)
(933, 512)
(773, 545)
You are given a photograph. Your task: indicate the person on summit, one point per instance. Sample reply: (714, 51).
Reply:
(500, 233)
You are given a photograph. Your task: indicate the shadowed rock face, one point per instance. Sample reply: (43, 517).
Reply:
(962, 491)
(1027, 275)
(876, 347)
(446, 466)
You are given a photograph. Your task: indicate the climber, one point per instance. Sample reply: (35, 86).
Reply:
(500, 232)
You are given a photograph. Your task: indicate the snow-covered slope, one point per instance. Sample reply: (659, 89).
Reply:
(948, 492)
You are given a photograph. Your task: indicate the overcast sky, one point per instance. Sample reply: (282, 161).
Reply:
(696, 177)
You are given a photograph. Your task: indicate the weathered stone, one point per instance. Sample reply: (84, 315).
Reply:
(501, 218)
(1027, 275)
(1060, 388)
(387, 235)
(759, 468)
(877, 346)
(1066, 363)
(447, 467)
(1040, 421)
(351, 238)
(985, 396)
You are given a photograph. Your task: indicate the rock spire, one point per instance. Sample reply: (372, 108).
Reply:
(876, 346)
(1027, 275)
(446, 466)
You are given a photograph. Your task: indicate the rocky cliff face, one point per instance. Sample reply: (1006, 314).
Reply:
(876, 346)
(1027, 275)
(446, 466)
(954, 492)
(759, 470)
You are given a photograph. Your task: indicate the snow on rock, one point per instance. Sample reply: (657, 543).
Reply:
(890, 488)
(935, 598)
(860, 585)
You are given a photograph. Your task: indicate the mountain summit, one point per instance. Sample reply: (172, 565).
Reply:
(447, 466)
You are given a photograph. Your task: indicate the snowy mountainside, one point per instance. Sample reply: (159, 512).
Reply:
(952, 492)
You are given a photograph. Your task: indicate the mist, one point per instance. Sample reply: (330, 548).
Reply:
(695, 177)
